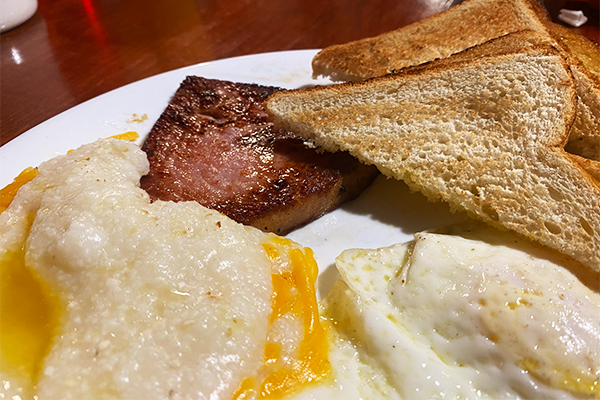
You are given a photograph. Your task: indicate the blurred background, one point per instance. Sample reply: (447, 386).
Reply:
(72, 50)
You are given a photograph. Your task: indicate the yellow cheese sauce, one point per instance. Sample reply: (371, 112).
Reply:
(293, 292)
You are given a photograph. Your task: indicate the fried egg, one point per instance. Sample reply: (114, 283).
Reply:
(106, 295)
(473, 314)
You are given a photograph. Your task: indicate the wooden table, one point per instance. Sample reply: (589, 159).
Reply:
(73, 50)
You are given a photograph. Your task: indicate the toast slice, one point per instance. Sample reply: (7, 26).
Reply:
(466, 25)
(584, 136)
(484, 134)
(584, 58)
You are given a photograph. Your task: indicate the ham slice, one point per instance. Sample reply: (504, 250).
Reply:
(214, 145)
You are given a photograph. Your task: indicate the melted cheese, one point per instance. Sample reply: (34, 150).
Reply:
(293, 294)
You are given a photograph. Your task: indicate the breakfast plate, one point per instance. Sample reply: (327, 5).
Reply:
(386, 213)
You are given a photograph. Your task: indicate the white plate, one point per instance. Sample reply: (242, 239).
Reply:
(384, 214)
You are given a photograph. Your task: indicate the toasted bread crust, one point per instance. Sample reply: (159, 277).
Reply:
(590, 166)
(471, 23)
(586, 53)
(584, 58)
(485, 134)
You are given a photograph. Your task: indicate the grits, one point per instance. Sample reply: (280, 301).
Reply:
(156, 300)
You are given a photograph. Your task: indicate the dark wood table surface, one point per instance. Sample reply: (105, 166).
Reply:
(73, 50)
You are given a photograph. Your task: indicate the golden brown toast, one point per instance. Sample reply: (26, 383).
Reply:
(467, 25)
(584, 135)
(485, 134)
(584, 58)
(471, 23)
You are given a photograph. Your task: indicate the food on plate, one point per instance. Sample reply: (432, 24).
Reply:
(107, 295)
(112, 291)
(471, 23)
(485, 135)
(214, 145)
(583, 57)
(472, 313)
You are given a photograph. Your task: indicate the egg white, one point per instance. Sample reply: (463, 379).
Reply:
(476, 314)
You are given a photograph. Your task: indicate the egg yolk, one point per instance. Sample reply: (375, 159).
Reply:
(570, 381)
(8, 193)
(131, 135)
(29, 310)
(29, 316)
(293, 292)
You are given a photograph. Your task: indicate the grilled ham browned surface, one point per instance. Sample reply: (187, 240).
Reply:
(213, 144)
